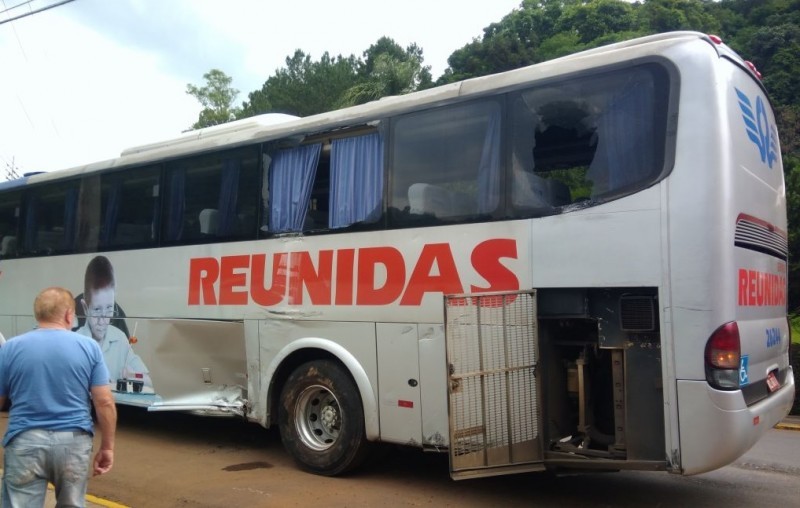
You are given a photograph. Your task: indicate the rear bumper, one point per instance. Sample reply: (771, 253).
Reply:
(716, 427)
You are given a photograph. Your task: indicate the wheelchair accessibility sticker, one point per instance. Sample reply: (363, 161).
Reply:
(744, 378)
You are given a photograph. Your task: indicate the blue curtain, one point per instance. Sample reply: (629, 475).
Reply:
(177, 204)
(112, 214)
(625, 145)
(266, 161)
(489, 169)
(228, 197)
(356, 180)
(291, 176)
(70, 213)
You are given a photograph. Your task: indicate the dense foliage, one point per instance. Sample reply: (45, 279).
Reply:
(767, 32)
(305, 87)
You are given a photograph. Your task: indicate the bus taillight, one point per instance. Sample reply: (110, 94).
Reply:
(722, 356)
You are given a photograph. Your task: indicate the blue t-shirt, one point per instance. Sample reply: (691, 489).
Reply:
(48, 374)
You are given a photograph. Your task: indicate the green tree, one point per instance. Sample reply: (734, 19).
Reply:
(597, 18)
(387, 47)
(501, 52)
(304, 87)
(389, 76)
(668, 15)
(510, 43)
(216, 97)
(560, 44)
(775, 49)
(387, 70)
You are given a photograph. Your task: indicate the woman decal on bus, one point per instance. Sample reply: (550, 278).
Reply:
(124, 366)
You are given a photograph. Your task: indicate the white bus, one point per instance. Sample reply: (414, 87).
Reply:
(579, 264)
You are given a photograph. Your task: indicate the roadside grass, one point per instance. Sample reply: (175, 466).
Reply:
(794, 325)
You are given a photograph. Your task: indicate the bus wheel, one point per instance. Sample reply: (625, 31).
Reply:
(321, 419)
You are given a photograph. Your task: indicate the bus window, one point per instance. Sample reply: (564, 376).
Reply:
(129, 204)
(50, 219)
(9, 224)
(88, 215)
(318, 211)
(211, 197)
(446, 164)
(588, 139)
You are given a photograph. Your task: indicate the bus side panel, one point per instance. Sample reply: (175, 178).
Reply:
(412, 384)
(433, 379)
(352, 343)
(398, 382)
(698, 250)
(612, 245)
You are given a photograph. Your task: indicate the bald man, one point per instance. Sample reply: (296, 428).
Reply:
(53, 376)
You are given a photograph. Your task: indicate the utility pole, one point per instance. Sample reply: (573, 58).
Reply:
(11, 171)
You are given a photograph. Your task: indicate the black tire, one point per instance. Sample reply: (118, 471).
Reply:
(321, 419)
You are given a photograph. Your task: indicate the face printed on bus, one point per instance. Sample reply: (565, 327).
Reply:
(99, 307)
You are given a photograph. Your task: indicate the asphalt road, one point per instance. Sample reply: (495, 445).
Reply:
(169, 460)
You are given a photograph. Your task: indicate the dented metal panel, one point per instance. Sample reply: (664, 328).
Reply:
(195, 365)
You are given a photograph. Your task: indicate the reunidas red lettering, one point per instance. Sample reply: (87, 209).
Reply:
(362, 277)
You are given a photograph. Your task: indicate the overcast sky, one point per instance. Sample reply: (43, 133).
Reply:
(81, 82)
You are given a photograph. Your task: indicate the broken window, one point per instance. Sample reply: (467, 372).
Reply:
(591, 138)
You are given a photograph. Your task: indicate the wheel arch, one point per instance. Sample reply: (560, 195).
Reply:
(314, 348)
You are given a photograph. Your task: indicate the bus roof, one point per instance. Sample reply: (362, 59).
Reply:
(274, 126)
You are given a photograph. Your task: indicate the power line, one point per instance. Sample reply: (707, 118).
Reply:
(11, 167)
(14, 6)
(62, 2)
(13, 29)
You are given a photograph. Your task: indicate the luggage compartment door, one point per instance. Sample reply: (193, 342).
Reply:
(493, 394)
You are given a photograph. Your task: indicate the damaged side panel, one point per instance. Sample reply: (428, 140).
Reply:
(196, 366)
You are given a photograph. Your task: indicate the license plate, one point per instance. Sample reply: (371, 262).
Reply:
(772, 382)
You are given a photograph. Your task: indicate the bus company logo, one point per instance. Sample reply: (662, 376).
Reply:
(353, 276)
(761, 289)
(758, 128)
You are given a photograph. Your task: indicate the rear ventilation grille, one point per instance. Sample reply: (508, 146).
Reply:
(637, 313)
(760, 236)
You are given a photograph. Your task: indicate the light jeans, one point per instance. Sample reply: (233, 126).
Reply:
(36, 457)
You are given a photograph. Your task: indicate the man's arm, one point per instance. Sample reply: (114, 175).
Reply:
(106, 411)
(2, 401)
